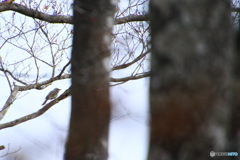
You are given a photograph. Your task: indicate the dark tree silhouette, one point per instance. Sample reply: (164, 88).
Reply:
(191, 74)
(90, 114)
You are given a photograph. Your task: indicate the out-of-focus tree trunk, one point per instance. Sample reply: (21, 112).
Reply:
(235, 118)
(90, 114)
(190, 88)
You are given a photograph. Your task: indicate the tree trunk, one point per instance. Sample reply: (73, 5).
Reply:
(90, 114)
(190, 79)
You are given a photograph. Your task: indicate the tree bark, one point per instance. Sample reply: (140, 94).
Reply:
(90, 114)
(190, 98)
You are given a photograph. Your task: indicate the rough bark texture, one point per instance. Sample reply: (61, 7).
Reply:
(90, 114)
(235, 117)
(190, 79)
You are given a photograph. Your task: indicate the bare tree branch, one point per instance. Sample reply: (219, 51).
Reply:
(11, 74)
(125, 79)
(36, 14)
(235, 9)
(64, 68)
(68, 19)
(12, 97)
(8, 152)
(130, 63)
(10, 100)
(35, 114)
(61, 18)
(5, 73)
(42, 84)
(131, 18)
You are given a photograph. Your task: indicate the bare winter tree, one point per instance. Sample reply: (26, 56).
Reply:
(192, 62)
(30, 30)
(44, 46)
(34, 54)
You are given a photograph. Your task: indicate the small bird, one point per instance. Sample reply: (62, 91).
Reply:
(52, 95)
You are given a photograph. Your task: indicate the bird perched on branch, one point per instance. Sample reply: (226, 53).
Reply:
(52, 95)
